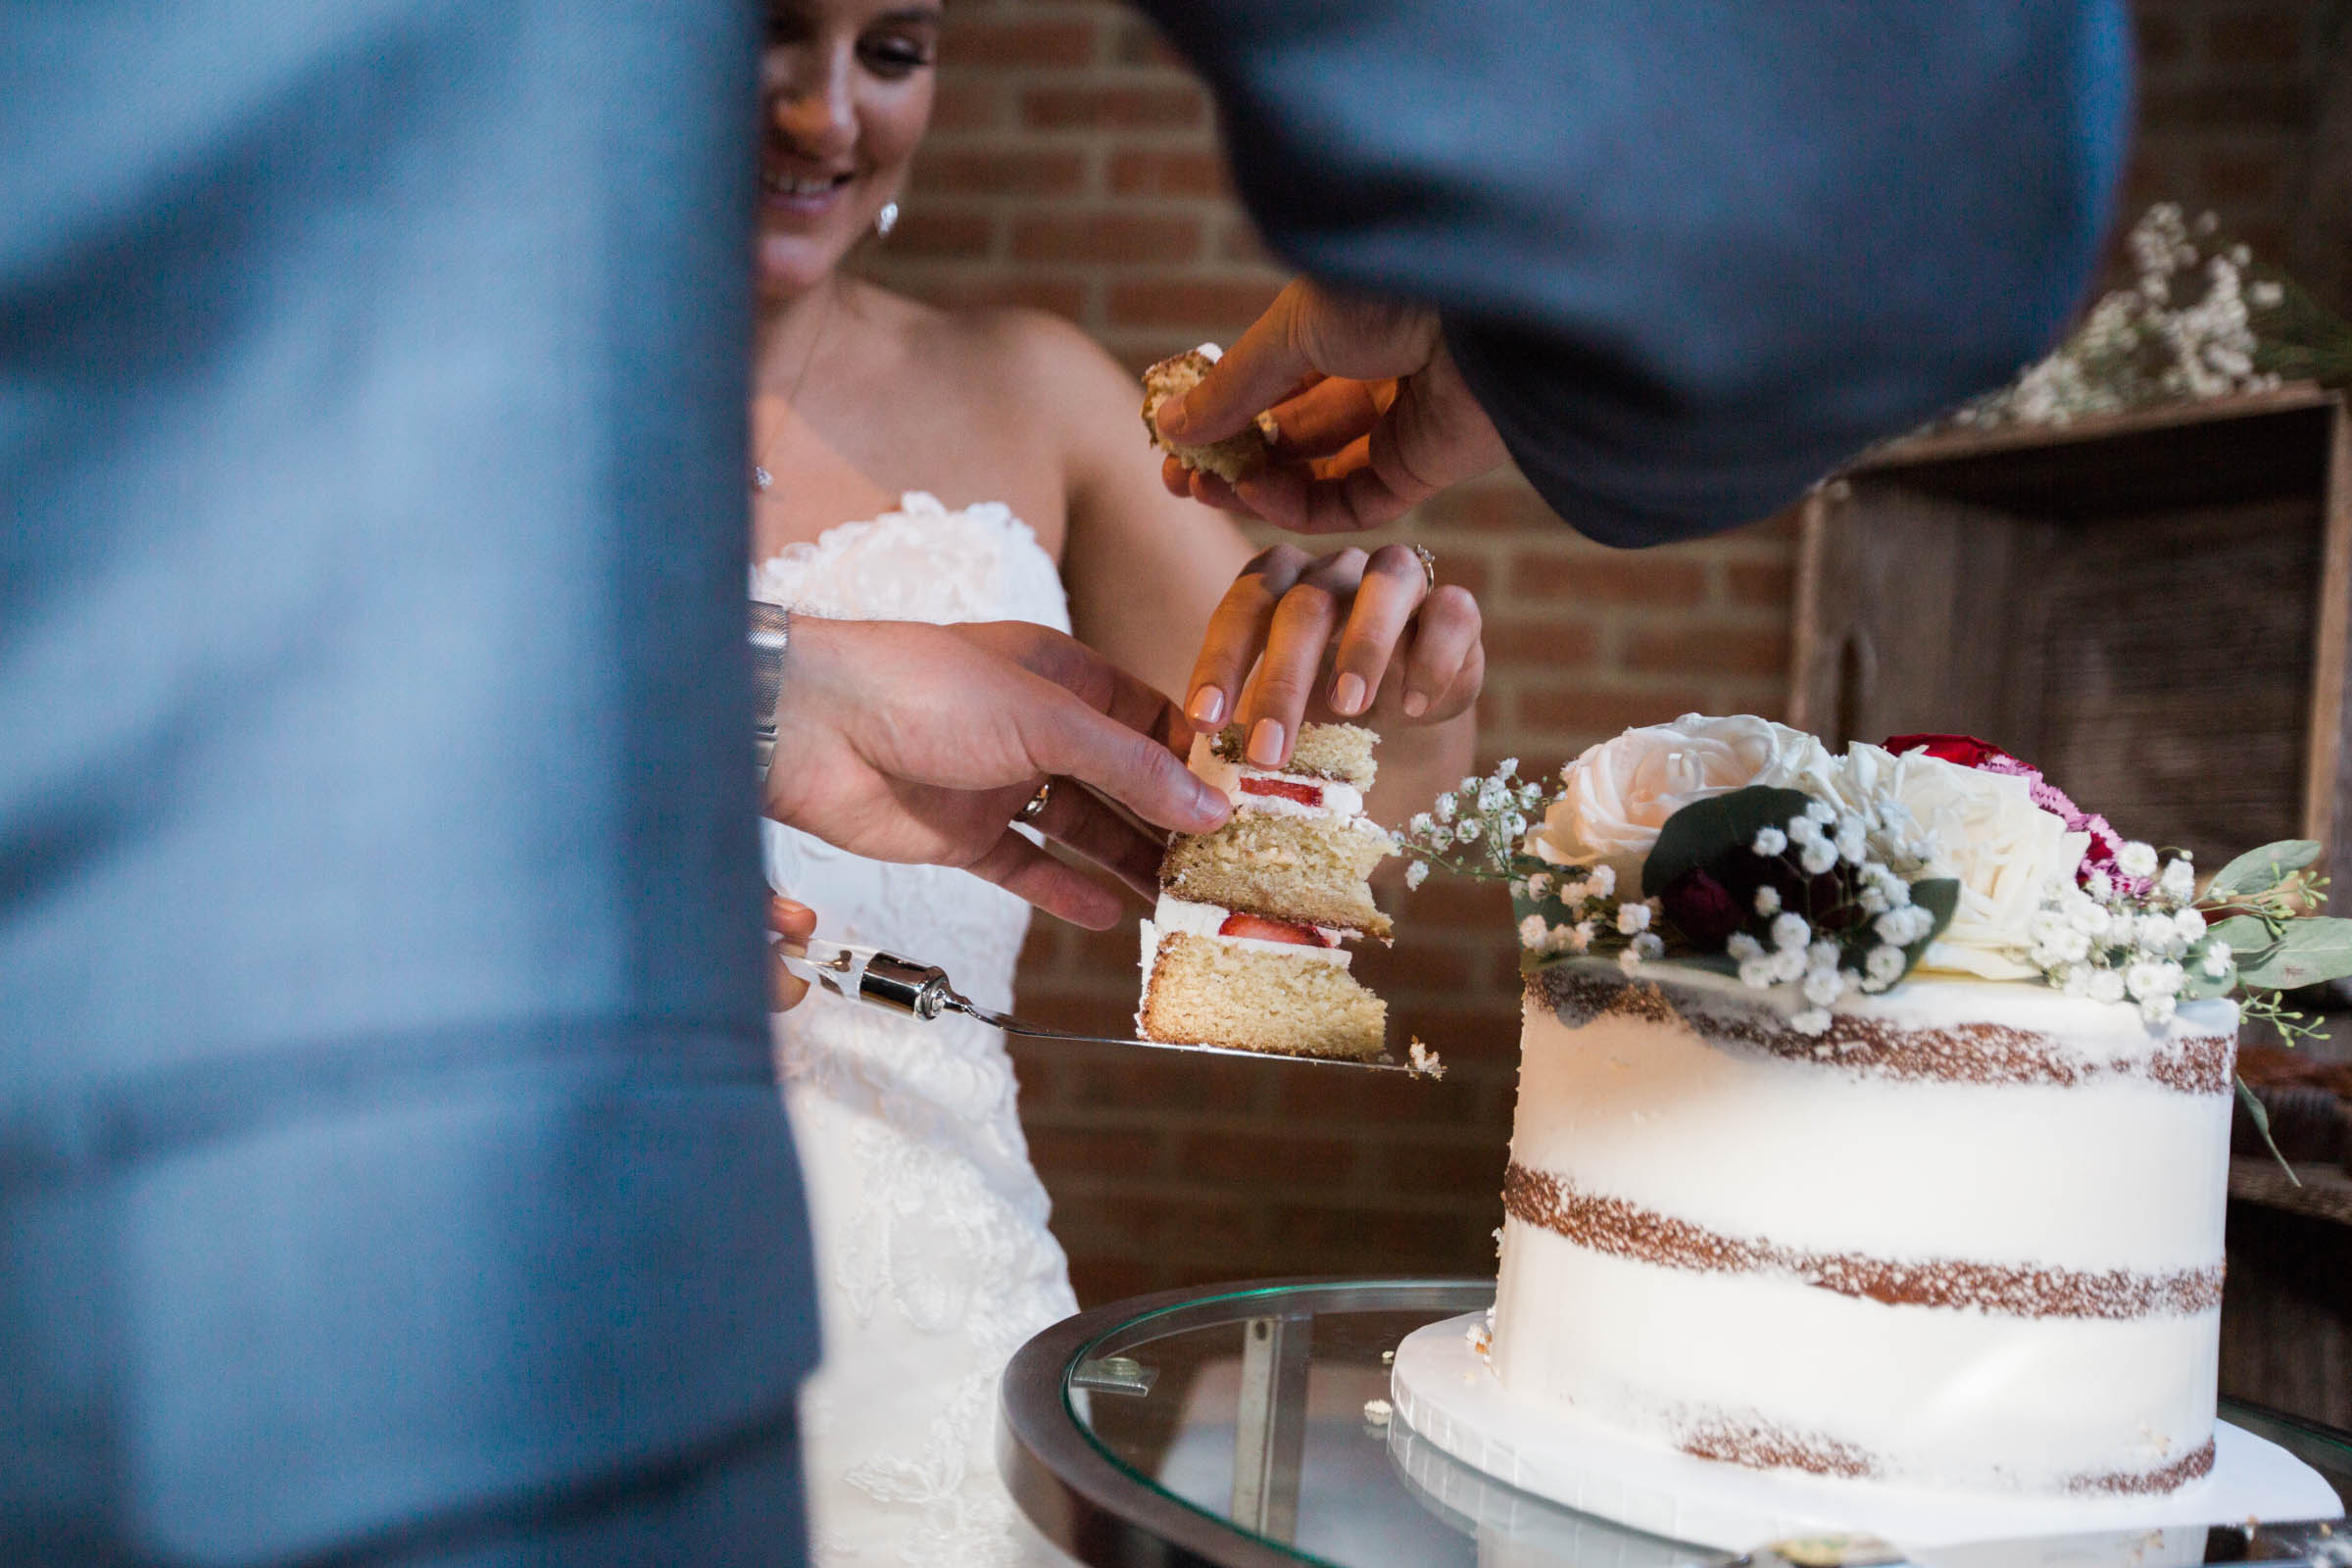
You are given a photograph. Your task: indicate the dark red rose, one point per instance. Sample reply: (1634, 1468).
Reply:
(1703, 909)
(1966, 749)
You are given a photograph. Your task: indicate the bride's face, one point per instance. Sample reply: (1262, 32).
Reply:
(846, 85)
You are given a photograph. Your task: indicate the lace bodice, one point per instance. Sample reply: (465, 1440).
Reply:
(933, 1256)
(920, 562)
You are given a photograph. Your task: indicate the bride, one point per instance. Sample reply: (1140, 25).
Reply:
(921, 464)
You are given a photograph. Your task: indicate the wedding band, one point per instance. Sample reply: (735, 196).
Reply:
(1429, 567)
(1036, 804)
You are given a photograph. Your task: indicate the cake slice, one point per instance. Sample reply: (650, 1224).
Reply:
(1245, 947)
(1234, 459)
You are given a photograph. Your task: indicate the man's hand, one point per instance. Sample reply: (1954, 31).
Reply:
(907, 742)
(1373, 414)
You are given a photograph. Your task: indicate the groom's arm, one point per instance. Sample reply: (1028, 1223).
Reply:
(390, 1155)
(1690, 258)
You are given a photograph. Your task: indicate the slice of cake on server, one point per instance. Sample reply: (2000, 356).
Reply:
(1245, 947)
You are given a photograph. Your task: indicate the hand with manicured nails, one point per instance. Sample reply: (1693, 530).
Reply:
(901, 741)
(1373, 414)
(1344, 636)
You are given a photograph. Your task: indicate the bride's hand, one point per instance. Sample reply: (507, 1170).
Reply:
(921, 744)
(1346, 636)
(786, 918)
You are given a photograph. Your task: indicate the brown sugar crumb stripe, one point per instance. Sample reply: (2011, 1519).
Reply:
(1967, 1052)
(2150, 1482)
(1762, 1444)
(1620, 1229)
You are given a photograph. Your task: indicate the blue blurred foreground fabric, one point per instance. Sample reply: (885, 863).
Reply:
(391, 1167)
(1692, 256)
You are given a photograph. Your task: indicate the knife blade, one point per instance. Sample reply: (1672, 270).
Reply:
(924, 990)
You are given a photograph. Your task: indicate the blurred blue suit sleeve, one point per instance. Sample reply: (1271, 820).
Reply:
(1691, 256)
(390, 1158)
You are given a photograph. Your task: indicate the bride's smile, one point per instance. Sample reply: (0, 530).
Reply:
(846, 89)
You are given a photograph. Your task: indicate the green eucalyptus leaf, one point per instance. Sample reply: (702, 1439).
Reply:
(2311, 949)
(2262, 1124)
(1939, 896)
(2245, 934)
(1704, 831)
(2259, 871)
(2198, 986)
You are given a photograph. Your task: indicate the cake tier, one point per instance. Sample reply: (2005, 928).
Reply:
(1305, 868)
(1971, 1237)
(1260, 996)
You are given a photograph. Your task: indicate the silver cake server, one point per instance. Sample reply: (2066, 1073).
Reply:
(924, 990)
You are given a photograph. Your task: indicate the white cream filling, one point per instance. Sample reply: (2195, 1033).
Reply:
(1193, 918)
(1341, 799)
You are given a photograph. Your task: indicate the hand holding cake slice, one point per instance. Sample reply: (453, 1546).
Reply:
(1245, 947)
(1234, 459)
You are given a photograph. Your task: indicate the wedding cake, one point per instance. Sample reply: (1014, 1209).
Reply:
(1245, 947)
(1873, 1128)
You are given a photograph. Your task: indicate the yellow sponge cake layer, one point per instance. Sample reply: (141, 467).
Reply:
(1208, 991)
(1324, 751)
(1308, 869)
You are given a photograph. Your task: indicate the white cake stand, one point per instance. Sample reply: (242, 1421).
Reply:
(1445, 1390)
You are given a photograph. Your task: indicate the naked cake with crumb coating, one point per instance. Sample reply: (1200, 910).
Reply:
(1842, 1253)
(1245, 948)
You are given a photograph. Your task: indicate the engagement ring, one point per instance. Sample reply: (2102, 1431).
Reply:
(1429, 567)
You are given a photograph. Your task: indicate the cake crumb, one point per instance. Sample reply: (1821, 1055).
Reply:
(1425, 1062)
(1378, 1411)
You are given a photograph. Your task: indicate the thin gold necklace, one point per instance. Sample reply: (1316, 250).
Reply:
(763, 479)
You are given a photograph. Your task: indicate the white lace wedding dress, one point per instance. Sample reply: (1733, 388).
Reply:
(934, 1263)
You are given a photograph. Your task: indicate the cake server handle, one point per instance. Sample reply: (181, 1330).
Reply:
(924, 990)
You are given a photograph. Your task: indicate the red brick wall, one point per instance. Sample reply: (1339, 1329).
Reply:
(2229, 92)
(1074, 165)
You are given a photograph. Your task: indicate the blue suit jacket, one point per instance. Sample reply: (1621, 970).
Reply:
(1692, 256)
(388, 1135)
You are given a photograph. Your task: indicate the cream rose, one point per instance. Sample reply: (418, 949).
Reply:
(2005, 851)
(1621, 792)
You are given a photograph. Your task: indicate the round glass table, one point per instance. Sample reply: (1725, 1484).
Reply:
(1246, 1427)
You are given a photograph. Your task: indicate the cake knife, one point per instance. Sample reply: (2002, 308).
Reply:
(924, 990)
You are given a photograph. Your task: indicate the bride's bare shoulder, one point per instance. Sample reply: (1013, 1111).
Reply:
(1028, 360)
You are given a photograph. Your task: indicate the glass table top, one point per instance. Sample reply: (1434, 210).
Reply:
(1246, 1427)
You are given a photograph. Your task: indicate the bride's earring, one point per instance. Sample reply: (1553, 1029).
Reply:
(886, 220)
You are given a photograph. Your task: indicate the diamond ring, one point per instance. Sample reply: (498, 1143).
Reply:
(1429, 566)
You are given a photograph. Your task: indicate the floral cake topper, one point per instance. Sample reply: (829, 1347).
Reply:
(1748, 846)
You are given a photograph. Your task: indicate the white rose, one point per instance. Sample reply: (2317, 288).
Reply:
(1621, 792)
(2005, 851)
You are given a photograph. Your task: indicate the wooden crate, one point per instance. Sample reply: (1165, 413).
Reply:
(2151, 607)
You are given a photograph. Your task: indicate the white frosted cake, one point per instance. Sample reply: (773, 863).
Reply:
(1871, 1143)
(1968, 1237)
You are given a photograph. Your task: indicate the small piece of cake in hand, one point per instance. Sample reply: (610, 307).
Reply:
(1245, 947)
(1231, 459)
